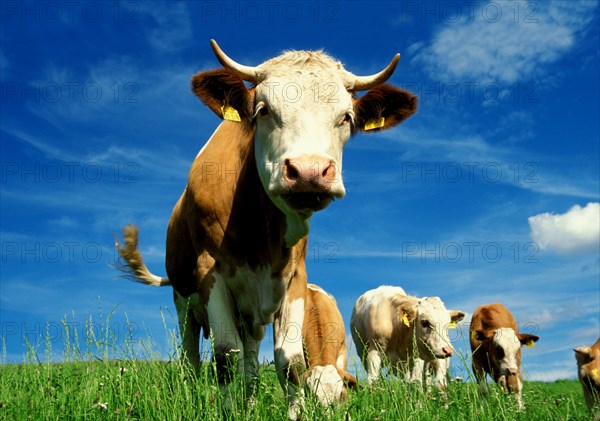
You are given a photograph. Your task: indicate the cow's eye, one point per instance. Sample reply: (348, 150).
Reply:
(499, 352)
(347, 118)
(261, 110)
(425, 324)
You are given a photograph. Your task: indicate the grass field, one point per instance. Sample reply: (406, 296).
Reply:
(100, 380)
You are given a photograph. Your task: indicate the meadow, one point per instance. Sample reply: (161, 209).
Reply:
(100, 377)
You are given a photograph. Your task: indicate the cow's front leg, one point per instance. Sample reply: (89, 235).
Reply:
(251, 365)
(416, 371)
(373, 365)
(440, 373)
(189, 328)
(289, 352)
(228, 348)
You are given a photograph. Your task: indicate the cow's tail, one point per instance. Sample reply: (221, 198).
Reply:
(134, 267)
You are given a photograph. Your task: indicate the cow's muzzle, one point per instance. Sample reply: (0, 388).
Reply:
(446, 353)
(310, 202)
(312, 183)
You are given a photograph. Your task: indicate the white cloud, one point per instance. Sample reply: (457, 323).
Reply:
(578, 230)
(497, 44)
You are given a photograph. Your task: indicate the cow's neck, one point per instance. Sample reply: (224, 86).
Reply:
(297, 227)
(252, 226)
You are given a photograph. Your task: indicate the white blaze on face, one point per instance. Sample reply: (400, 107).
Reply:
(326, 384)
(431, 328)
(303, 112)
(506, 346)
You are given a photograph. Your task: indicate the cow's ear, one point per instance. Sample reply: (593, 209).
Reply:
(383, 107)
(528, 339)
(583, 354)
(224, 93)
(407, 314)
(478, 335)
(456, 315)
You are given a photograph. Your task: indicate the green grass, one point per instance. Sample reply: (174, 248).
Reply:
(104, 379)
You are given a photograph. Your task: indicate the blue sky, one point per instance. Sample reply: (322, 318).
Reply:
(489, 193)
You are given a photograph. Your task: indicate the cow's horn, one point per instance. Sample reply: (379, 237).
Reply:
(362, 83)
(247, 73)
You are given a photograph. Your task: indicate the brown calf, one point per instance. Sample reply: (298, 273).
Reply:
(496, 346)
(325, 342)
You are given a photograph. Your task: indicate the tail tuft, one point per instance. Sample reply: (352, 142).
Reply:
(134, 267)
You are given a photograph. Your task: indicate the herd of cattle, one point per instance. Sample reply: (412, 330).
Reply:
(237, 240)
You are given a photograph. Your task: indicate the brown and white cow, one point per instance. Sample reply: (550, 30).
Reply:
(325, 342)
(496, 346)
(388, 326)
(236, 241)
(588, 367)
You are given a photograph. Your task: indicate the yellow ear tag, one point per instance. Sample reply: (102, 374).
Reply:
(473, 335)
(594, 373)
(452, 325)
(230, 113)
(530, 343)
(405, 320)
(375, 124)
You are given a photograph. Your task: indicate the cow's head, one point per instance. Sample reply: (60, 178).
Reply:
(431, 322)
(326, 384)
(303, 108)
(588, 366)
(504, 352)
(588, 362)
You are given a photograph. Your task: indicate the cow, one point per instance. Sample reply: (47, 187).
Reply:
(588, 366)
(325, 343)
(390, 327)
(237, 238)
(496, 347)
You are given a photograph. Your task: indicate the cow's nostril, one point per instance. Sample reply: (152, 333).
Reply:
(447, 351)
(329, 171)
(292, 172)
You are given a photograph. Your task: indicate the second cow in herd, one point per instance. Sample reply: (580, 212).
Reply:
(409, 333)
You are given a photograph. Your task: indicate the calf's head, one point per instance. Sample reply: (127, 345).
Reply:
(504, 353)
(431, 322)
(303, 109)
(327, 385)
